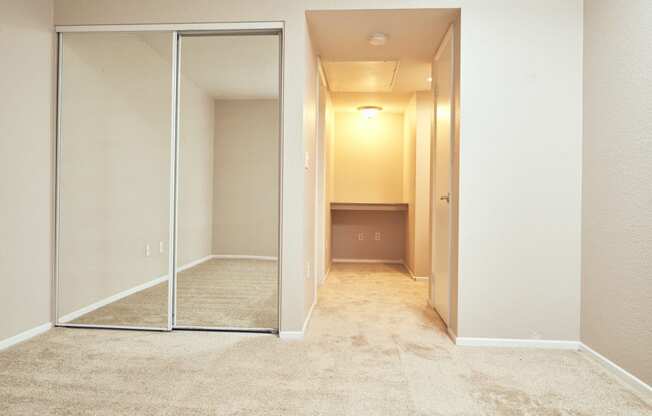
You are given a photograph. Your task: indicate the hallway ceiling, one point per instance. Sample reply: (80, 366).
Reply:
(413, 38)
(368, 76)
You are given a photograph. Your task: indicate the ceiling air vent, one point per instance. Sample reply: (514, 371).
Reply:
(361, 76)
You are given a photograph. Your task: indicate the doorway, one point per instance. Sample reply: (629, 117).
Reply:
(168, 179)
(380, 143)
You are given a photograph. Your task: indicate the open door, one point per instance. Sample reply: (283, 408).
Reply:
(443, 80)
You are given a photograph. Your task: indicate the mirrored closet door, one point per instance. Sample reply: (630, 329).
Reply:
(113, 179)
(228, 181)
(168, 180)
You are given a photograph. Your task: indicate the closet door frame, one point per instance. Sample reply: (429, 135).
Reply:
(176, 31)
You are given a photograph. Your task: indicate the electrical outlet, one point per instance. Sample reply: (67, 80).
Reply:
(377, 236)
(360, 236)
(148, 250)
(308, 269)
(161, 246)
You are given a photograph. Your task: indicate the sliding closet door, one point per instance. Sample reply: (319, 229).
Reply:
(114, 175)
(228, 182)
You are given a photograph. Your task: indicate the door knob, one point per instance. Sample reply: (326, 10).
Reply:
(446, 197)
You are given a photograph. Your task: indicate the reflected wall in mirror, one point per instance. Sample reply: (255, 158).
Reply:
(228, 216)
(114, 179)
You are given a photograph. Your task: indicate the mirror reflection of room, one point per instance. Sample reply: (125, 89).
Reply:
(114, 172)
(228, 182)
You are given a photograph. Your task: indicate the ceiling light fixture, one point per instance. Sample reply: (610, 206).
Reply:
(377, 39)
(370, 111)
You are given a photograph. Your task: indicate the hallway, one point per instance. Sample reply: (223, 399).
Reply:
(373, 348)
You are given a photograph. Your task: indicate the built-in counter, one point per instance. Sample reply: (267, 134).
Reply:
(367, 206)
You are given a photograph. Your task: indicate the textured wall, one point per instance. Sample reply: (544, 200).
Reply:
(409, 171)
(246, 179)
(195, 193)
(617, 178)
(26, 150)
(348, 225)
(520, 169)
(422, 186)
(368, 158)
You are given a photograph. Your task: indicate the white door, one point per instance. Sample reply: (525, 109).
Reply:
(442, 76)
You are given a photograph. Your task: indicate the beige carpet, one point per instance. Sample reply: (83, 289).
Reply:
(216, 293)
(373, 348)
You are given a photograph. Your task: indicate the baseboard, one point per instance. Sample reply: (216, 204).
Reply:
(298, 335)
(113, 298)
(242, 256)
(121, 295)
(613, 368)
(452, 335)
(24, 336)
(291, 335)
(194, 263)
(414, 276)
(367, 261)
(517, 343)
(306, 322)
(323, 279)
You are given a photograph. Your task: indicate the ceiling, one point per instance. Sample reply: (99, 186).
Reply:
(242, 67)
(361, 76)
(413, 34)
(412, 40)
(228, 67)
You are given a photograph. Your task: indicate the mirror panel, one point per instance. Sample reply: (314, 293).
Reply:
(228, 208)
(114, 179)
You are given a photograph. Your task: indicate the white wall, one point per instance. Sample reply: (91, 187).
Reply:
(322, 203)
(195, 193)
(310, 109)
(246, 184)
(520, 169)
(424, 121)
(519, 204)
(368, 164)
(409, 175)
(329, 177)
(417, 137)
(617, 178)
(26, 152)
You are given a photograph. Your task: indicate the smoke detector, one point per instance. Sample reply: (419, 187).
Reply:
(377, 39)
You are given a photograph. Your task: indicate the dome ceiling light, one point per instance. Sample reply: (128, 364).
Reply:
(370, 111)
